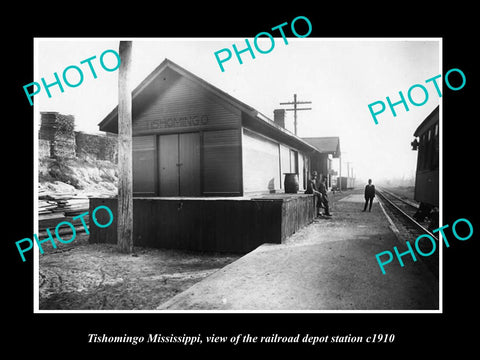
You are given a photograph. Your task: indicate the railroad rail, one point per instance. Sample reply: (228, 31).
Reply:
(405, 210)
(405, 202)
(408, 228)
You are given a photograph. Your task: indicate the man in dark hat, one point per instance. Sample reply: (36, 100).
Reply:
(369, 195)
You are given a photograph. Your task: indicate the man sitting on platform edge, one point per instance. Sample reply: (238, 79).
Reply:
(320, 195)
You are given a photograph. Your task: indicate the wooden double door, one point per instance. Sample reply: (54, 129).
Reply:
(179, 164)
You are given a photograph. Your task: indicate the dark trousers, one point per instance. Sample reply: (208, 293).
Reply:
(325, 205)
(322, 201)
(318, 202)
(368, 199)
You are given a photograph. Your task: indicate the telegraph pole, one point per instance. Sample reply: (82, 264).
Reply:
(295, 109)
(348, 172)
(125, 200)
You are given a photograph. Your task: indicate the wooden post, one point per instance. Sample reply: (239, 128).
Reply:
(125, 189)
(295, 109)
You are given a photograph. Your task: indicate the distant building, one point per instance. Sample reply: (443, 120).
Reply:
(327, 148)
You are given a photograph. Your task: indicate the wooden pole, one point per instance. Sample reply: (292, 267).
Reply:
(125, 198)
(295, 113)
(340, 163)
(295, 109)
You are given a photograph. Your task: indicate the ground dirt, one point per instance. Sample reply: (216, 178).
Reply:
(327, 265)
(84, 276)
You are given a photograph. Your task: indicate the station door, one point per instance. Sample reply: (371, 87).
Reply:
(179, 164)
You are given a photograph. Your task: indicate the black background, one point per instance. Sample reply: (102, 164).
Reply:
(60, 335)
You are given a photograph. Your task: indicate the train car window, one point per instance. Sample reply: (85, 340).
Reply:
(421, 153)
(432, 149)
(428, 151)
(435, 150)
(434, 154)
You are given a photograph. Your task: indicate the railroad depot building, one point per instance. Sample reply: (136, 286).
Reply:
(209, 170)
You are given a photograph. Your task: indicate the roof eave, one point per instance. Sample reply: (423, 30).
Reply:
(167, 63)
(135, 92)
(261, 119)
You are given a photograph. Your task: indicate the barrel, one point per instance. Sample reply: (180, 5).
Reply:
(291, 183)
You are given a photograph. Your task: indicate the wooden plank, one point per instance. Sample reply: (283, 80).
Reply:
(144, 177)
(209, 225)
(261, 163)
(179, 104)
(189, 164)
(221, 162)
(168, 165)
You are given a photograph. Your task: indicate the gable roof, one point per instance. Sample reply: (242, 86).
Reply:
(113, 115)
(253, 117)
(431, 119)
(326, 145)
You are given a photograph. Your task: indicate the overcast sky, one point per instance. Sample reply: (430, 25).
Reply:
(339, 76)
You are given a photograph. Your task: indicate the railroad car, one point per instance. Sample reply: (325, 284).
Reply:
(427, 176)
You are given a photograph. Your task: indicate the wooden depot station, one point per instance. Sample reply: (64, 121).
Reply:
(208, 170)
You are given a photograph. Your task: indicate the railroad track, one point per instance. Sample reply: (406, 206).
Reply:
(404, 211)
(408, 206)
(401, 213)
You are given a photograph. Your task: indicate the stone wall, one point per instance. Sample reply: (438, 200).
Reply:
(43, 148)
(100, 147)
(58, 129)
(57, 139)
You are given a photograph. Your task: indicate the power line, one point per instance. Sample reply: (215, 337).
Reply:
(295, 109)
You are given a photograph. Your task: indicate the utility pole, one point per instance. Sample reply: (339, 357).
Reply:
(348, 173)
(125, 188)
(340, 177)
(295, 109)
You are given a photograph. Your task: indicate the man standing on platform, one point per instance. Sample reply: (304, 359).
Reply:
(369, 195)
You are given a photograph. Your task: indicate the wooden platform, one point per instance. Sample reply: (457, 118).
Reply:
(237, 224)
